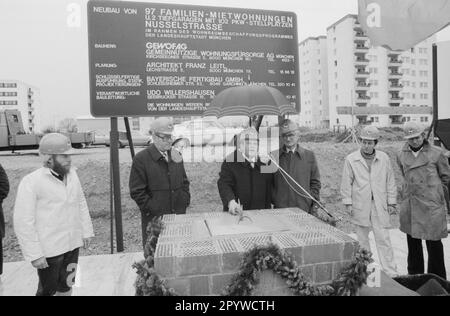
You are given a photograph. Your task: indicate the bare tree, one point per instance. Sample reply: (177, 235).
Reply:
(68, 125)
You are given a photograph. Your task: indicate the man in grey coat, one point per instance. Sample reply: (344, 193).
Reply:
(425, 171)
(301, 165)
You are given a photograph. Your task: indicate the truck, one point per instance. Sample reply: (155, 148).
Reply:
(13, 136)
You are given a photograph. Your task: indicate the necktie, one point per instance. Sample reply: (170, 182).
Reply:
(166, 157)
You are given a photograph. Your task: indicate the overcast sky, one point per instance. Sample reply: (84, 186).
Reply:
(38, 47)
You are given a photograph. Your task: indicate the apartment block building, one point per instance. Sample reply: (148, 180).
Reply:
(17, 95)
(314, 83)
(372, 85)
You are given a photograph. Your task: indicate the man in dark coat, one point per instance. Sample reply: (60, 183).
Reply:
(425, 172)
(158, 181)
(241, 180)
(301, 165)
(4, 190)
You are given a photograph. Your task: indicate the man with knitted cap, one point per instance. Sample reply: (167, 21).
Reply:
(369, 194)
(425, 172)
(51, 217)
(158, 182)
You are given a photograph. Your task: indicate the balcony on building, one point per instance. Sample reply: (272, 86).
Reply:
(362, 86)
(395, 97)
(359, 35)
(361, 73)
(395, 104)
(396, 119)
(361, 60)
(395, 86)
(394, 61)
(357, 26)
(395, 74)
(361, 48)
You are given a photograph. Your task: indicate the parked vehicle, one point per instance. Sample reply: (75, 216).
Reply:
(205, 132)
(13, 135)
(139, 140)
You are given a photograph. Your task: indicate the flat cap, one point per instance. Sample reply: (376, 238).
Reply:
(162, 125)
(288, 126)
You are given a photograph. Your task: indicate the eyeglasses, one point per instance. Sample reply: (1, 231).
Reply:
(289, 135)
(166, 138)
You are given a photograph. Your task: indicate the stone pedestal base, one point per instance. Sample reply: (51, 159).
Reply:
(198, 254)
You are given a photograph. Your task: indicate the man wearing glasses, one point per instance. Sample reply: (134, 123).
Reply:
(301, 165)
(242, 179)
(158, 183)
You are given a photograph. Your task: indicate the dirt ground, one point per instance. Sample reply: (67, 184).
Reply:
(93, 170)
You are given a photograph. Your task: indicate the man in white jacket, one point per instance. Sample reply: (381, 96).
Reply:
(51, 217)
(370, 195)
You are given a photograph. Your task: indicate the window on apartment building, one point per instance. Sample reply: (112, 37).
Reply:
(319, 72)
(405, 71)
(10, 85)
(424, 84)
(337, 98)
(423, 50)
(413, 73)
(424, 96)
(373, 70)
(335, 52)
(424, 73)
(373, 82)
(335, 63)
(412, 50)
(135, 123)
(413, 96)
(374, 95)
(8, 102)
(413, 84)
(413, 61)
(318, 62)
(336, 86)
(424, 62)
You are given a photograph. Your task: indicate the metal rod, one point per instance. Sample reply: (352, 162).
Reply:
(435, 92)
(111, 203)
(306, 192)
(129, 137)
(116, 182)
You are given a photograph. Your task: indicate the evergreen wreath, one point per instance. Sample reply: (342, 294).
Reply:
(148, 282)
(255, 261)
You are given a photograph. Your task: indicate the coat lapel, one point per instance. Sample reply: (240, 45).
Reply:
(411, 162)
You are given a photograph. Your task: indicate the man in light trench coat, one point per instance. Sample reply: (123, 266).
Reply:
(370, 195)
(426, 172)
